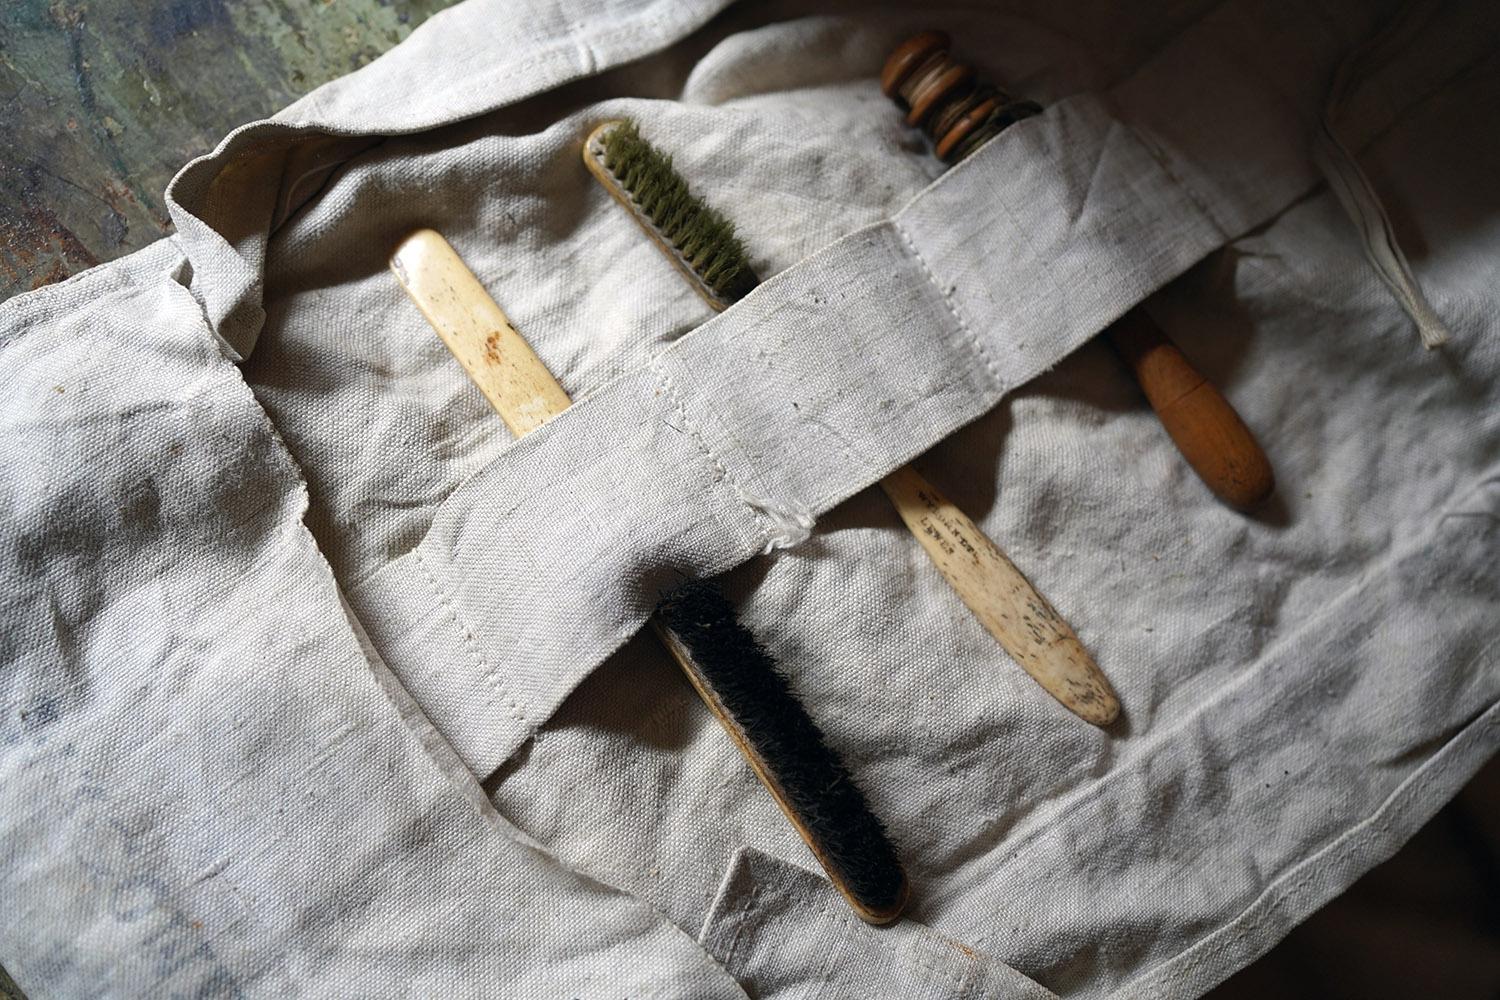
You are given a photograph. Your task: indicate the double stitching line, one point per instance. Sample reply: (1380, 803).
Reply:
(517, 711)
(993, 370)
(723, 472)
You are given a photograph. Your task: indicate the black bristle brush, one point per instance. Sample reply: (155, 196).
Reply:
(741, 685)
(732, 673)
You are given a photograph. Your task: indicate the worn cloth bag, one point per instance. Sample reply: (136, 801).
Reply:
(314, 682)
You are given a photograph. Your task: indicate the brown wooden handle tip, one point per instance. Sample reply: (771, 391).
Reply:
(1202, 424)
(878, 916)
(907, 56)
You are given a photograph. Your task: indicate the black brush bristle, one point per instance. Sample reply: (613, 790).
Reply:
(813, 779)
(701, 234)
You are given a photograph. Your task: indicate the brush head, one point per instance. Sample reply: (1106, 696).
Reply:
(788, 750)
(700, 238)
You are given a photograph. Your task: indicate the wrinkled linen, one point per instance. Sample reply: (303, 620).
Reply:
(315, 682)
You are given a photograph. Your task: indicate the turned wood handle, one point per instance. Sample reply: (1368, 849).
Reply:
(942, 96)
(1200, 421)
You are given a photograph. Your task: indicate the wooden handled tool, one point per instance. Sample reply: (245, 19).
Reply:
(730, 671)
(960, 114)
(1200, 421)
(702, 245)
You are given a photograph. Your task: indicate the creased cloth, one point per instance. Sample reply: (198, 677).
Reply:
(313, 682)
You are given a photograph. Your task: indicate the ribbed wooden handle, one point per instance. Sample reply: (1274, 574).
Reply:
(1004, 601)
(960, 113)
(1200, 421)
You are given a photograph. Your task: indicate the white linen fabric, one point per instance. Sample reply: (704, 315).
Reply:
(315, 683)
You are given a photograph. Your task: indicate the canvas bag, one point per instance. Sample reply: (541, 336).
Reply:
(277, 621)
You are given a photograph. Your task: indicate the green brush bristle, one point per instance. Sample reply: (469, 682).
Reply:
(702, 235)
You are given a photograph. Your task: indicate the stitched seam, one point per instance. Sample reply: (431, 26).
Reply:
(1284, 887)
(470, 642)
(990, 367)
(745, 907)
(862, 934)
(669, 388)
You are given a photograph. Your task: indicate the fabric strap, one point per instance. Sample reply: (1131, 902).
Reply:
(828, 376)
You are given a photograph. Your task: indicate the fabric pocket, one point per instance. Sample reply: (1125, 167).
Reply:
(784, 934)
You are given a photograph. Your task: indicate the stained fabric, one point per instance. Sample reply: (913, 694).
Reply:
(316, 682)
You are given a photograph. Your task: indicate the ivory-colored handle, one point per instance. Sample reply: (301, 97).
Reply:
(1201, 422)
(497, 358)
(522, 390)
(1003, 600)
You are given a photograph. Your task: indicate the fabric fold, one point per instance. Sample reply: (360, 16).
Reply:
(224, 204)
(213, 777)
(784, 933)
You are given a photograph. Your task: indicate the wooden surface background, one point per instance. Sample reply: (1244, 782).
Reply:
(100, 104)
(102, 101)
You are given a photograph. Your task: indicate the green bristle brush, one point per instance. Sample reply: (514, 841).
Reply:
(702, 243)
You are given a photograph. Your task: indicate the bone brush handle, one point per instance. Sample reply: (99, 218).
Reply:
(472, 326)
(1004, 601)
(526, 395)
(1200, 421)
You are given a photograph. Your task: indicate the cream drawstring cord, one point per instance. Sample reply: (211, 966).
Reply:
(1353, 188)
